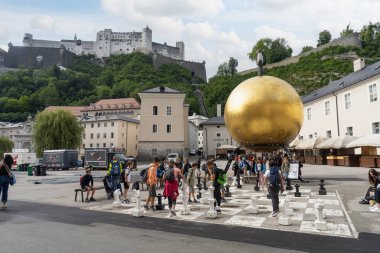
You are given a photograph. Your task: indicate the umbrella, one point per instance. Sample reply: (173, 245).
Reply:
(310, 143)
(372, 140)
(337, 142)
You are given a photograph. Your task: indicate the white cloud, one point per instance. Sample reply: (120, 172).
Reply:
(45, 23)
(4, 47)
(3, 32)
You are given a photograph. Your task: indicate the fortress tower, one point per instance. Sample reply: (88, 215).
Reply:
(28, 40)
(181, 47)
(147, 39)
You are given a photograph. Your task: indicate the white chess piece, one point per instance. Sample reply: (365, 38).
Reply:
(185, 210)
(211, 213)
(252, 209)
(320, 224)
(116, 196)
(284, 220)
(289, 211)
(234, 181)
(138, 211)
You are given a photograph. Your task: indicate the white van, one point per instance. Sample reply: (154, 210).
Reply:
(174, 156)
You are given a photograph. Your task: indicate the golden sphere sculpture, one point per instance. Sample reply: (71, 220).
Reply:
(264, 113)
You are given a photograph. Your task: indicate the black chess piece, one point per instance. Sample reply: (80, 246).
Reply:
(199, 185)
(205, 186)
(160, 206)
(322, 189)
(297, 193)
(269, 195)
(238, 181)
(227, 193)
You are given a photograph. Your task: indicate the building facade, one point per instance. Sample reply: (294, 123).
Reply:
(20, 133)
(109, 43)
(348, 106)
(163, 123)
(197, 120)
(77, 111)
(109, 131)
(128, 107)
(193, 136)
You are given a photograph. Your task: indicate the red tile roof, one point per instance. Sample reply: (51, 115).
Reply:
(116, 103)
(76, 110)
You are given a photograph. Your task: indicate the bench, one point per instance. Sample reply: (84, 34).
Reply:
(248, 179)
(83, 190)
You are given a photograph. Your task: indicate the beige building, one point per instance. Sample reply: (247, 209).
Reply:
(128, 107)
(197, 120)
(109, 131)
(163, 123)
(348, 106)
(20, 133)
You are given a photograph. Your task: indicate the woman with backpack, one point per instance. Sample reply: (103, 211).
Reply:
(275, 184)
(5, 174)
(171, 177)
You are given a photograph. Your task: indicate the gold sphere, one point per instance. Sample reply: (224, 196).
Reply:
(264, 113)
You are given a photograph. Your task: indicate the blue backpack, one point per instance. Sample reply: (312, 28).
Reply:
(116, 168)
(274, 176)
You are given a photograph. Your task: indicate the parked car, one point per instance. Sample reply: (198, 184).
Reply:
(174, 156)
(193, 152)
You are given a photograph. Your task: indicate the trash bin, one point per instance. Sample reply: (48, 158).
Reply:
(30, 170)
(37, 170)
(18, 167)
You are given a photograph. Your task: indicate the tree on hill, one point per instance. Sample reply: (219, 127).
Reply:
(6, 145)
(306, 48)
(324, 38)
(57, 129)
(370, 35)
(272, 50)
(228, 68)
(347, 31)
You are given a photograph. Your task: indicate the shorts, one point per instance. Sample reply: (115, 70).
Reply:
(152, 191)
(87, 186)
(126, 185)
(191, 188)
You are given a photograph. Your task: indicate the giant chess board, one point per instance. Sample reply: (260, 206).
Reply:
(234, 212)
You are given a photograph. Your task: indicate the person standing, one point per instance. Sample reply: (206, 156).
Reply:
(186, 167)
(190, 181)
(296, 159)
(214, 173)
(161, 172)
(275, 184)
(172, 176)
(285, 167)
(5, 174)
(151, 183)
(114, 170)
(127, 180)
(374, 179)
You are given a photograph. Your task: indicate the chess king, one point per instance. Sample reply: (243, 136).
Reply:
(263, 113)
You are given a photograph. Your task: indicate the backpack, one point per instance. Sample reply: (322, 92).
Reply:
(169, 174)
(144, 175)
(273, 176)
(222, 178)
(116, 168)
(136, 186)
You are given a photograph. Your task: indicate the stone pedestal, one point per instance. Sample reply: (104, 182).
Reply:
(205, 197)
(284, 221)
(253, 209)
(211, 213)
(138, 211)
(117, 202)
(185, 210)
(288, 211)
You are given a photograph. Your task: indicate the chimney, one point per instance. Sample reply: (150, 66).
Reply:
(359, 64)
(218, 110)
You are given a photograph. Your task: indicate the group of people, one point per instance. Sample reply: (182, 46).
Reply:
(373, 192)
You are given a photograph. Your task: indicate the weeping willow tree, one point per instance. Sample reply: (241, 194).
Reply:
(57, 129)
(6, 145)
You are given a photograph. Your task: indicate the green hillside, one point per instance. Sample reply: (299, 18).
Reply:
(28, 91)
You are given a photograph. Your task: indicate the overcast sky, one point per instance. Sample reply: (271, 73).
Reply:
(212, 30)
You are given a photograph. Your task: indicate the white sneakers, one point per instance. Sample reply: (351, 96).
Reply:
(375, 209)
(4, 205)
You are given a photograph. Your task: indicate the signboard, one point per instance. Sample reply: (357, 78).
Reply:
(293, 171)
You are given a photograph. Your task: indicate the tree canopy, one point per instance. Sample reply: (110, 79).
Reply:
(6, 145)
(58, 129)
(324, 38)
(228, 68)
(347, 31)
(272, 50)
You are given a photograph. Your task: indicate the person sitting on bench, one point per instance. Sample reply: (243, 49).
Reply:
(85, 184)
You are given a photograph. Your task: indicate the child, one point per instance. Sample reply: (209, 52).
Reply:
(85, 184)
(190, 181)
(127, 179)
(276, 183)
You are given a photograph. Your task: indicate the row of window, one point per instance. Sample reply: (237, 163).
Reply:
(98, 135)
(104, 124)
(168, 110)
(114, 113)
(372, 95)
(349, 131)
(104, 145)
(168, 128)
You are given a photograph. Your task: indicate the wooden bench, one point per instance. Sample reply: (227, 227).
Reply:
(248, 179)
(84, 190)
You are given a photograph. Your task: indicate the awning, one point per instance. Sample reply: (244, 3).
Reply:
(227, 147)
(372, 140)
(295, 143)
(310, 143)
(337, 142)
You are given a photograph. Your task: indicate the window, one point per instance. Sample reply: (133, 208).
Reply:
(92, 125)
(372, 93)
(104, 135)
(328, 134)
(105, 124)
(98, 135)
(218, 145)
(97, 145)
(376, 127)
(111, 144)
(310, 136)
(217, 126)
(168, 150)
(300, 137)
(84, 136)
(308, 112)
(112, 135)
(154, 151)
(92, 136)
(168, 128)
(104, 145)
(218, 135)
(350, 131)
(155, 110)
(112, 124)
(168, 110)
(90, 145)
(327, 108)
(347, 101)
(154, 128)
(83, 146)
(98, 124)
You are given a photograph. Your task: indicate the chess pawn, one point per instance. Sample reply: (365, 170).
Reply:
(320, 224)
(252, 209)
(285, 220)
(211, 213)
(289, 211)
(138, 211)
(185, 210)
(117, 202)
